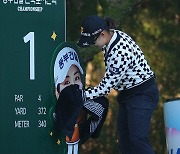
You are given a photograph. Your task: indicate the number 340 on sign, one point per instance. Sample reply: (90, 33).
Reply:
(41, 123)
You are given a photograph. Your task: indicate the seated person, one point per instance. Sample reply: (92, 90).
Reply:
(76, 118)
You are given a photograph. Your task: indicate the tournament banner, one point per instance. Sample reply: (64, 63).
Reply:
(172, 125)
(30, 31)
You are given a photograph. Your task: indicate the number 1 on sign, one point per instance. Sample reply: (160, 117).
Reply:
(27, 38)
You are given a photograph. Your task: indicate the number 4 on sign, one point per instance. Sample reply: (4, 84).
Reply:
(39, 98)
(27, 38)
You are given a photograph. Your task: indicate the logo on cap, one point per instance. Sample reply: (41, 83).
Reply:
(86, 44)
(67, 57)
(82, 29)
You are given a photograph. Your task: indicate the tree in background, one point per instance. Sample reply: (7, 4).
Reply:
(154, 25)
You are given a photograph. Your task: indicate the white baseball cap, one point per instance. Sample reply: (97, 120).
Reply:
(66, 57)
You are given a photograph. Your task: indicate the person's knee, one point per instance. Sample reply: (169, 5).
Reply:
(135, 141)
(141, 144)
(138, 141)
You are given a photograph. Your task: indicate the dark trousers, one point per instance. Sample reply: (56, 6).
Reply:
(134, 116)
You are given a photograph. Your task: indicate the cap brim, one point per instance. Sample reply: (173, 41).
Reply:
(85, 41)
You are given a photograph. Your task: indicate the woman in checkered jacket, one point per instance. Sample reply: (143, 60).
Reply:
(128, 72)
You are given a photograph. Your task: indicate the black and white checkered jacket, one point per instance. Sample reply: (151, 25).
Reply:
(126, 66)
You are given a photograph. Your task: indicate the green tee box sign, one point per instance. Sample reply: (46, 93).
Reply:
(30, 31)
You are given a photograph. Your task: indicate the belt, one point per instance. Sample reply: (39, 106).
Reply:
(138, 88)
